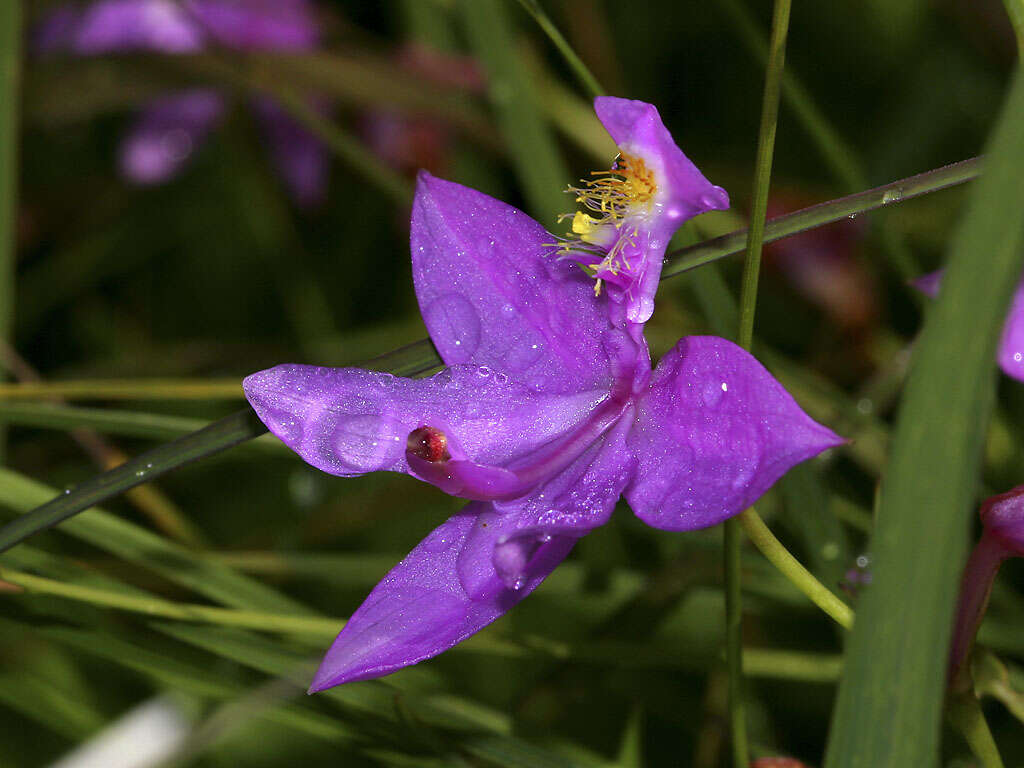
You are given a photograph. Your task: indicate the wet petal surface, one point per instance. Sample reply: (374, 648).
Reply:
(348, 421)
(493, 294)
(421, 608)
(712, 434)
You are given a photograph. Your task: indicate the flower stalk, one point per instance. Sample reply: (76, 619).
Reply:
(745, 337)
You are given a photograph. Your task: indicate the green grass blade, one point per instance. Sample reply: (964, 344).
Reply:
(137, 545)
(535, 154)
(147, 426)
(895, 192)
(895, 670)
(217, 437)
(584, 75)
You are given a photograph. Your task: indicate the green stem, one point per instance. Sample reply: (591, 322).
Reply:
(10, 76)
(218, 436)
(790, 567)
(964, 712)
(745, 338)
(734, 644)
(583, 74)
(152, 606)
(124, 389)
(763, 172)
(691, 257)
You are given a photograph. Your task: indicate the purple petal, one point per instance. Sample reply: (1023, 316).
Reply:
(712, 434)
(300, 158)
(151, 25)
(166, 134)
(680, 193)
(421, 608)
(573, 503)
(493, 293)
(637, 128)
(347, 421)
(929, 284)
(286, 25)
(1011, 344)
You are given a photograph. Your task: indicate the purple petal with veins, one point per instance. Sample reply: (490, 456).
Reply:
(421, 607)
(491, 293)
(712, 434)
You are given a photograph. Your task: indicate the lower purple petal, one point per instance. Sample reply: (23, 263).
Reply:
(166, 134)
(712, 434)
(421, 608)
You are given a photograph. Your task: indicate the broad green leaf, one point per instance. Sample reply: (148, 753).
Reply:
(890, 700)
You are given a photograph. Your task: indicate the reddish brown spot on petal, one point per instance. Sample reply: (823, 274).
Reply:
(429, 444)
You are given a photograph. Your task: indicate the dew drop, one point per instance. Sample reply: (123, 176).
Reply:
(500, 378)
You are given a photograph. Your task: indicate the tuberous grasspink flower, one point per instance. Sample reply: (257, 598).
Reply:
(547, 412)
(171, 127)
(1010, 353)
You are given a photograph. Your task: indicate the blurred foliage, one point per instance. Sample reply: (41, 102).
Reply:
(617, 659)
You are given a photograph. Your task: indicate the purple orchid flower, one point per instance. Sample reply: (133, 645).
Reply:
(1002, 537)
(170, 128)
(547, 412)
(1010, 354)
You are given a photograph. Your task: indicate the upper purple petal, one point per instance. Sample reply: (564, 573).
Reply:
(121, 25)
(421, 608)
(630, 214)
(637, 128)
(712, 434)
(286, 25)
(166, 134)
(348, 421)
(300, 157)
(491, 292)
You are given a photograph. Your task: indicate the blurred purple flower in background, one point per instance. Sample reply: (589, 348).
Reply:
(1010, 354)
(170, 128)
(548, 412)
